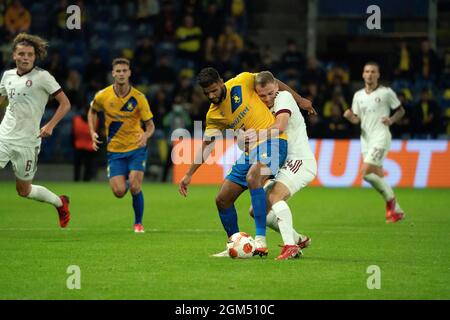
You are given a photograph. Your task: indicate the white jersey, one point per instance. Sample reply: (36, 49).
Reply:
(298, 145)
(371, 108)
(28, 95)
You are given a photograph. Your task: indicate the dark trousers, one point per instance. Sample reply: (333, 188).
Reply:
(84, 160)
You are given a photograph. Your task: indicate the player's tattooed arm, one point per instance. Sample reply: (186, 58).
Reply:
(395, 117)
(303, 103)
(350, 116)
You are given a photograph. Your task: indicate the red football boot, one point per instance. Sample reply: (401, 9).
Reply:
(289, 252)
(63, 212)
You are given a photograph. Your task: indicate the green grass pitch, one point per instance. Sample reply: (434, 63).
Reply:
(171, 260)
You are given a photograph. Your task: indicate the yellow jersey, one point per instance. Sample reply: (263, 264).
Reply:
(123, 117)
(240, 109)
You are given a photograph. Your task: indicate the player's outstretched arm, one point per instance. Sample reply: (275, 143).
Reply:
(63, 108)
(200, 158)
(303, 103)
(92, 121)
(350, 116)
(388, 121)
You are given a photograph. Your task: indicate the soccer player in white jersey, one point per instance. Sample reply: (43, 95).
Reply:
(297, 172)
(371, 108)
(28, 88)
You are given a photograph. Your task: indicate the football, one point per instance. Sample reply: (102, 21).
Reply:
(242, 246)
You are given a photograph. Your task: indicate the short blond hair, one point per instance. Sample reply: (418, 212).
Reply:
(117, 61)
(263, 78)
(39, 44)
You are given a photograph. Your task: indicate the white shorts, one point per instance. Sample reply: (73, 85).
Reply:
(23, 160)
(375, 156)
(295, 174)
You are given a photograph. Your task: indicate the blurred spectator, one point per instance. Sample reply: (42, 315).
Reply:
(402, 128)
(292, 60)
(184, 87)
(335, 126)
(177, 118)
(314, 72)
(267, 58)
(427, 62)
(403, 62)
(160, 106)
(95, 74)
(165, 25)
(338, 80)
(426, 117)
(250, 58)
(212, 21)
(337, 99)
(74, 90)
(17, 18)
(188, 37)
(164, 73)
(199, 106)
(84, 152)
(144, 58)
(311, 90)
(56, 66)
(147, 10)
(238, 17)
(209, 58)
(229, 41)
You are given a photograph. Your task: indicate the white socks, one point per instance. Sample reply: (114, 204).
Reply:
(380, 185)
(42, 194)
(284, 215)
(272, 223)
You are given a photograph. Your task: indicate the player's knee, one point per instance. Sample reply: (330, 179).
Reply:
(273, 198)
(22, 191)
(253, 180)
(135, 188)
(363, 173)
(221, 202)
(119, 192)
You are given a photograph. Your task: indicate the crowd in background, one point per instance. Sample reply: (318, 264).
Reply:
(168, 41)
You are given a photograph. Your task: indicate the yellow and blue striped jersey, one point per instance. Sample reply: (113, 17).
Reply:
(123, 117)
(241, 108)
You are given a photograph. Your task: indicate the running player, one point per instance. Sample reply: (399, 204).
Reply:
(125, 108)
(371, 108)
(28, 88)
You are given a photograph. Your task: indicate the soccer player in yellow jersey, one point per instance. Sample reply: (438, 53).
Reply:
(235, 105)
(124, 108)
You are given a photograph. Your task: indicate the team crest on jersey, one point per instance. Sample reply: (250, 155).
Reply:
(236, 98)
(29, 83)
(130, 105)
(377, 100)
